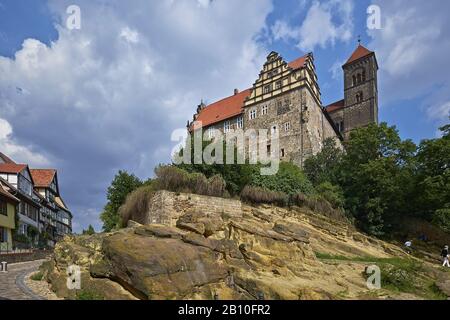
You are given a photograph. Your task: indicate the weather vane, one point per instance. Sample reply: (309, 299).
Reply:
(359, 39)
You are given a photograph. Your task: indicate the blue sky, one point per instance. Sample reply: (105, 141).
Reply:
(107, 97)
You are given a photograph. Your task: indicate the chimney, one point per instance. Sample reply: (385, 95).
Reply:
(236, 91)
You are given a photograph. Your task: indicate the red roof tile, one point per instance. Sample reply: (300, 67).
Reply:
(42, 177)
(223, 109)
(11, 167)
(335, 106)
(359, 53)
(298, 63)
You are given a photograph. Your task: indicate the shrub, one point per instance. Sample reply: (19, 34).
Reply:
(441, 218)
(319, 205)
(88, 295)
(37, 276)
(257, 195)
(333, 194)
(174, 179)
(289, 179)
(136, 205)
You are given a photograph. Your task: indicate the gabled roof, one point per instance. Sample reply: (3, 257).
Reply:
(43, 177)
(5, 158)
(233, 105)
(335, 106)
(359, 53)
(222, 109)
(298, 63)
(6, 194)
(12, 167)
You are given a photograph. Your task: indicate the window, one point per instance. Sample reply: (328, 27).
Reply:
(359, 97)
(278, 84)
(282, 153)
(264, 110)
(340, 126)
(252, 114)
(359, 78)
(226, 126)
(273, 129)
(268, 149)
(364, 76)
(354, 80)
(210, 132)
(240, 122)
(287, 126)
(3, 208)
(267, 88)
(3, 235)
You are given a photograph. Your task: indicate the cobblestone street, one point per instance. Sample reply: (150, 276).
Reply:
(13, 285)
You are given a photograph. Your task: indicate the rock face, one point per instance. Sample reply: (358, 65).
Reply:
(265, 252)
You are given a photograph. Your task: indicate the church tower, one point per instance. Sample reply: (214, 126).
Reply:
(360, 90)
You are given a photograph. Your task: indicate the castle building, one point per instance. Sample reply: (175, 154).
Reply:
(286, 98)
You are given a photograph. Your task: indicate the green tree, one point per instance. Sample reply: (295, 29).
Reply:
(324, 166)
(236, 176)
(89, 231)
(377, 176)
(289, 179)
(122, 184)
(433, 176)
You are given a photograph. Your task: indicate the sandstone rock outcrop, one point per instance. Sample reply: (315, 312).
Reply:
(264, 252)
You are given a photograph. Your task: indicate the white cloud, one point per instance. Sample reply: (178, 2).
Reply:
(19, 153)
(325, 24)
(413, 47)
(107, 97)
(129, 35)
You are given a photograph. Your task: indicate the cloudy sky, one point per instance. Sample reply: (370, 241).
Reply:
(106, 97)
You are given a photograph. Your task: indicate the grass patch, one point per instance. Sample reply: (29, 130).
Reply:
(88, 295)
(37, 276)
(398, 275)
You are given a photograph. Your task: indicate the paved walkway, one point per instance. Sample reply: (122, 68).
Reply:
(12, 283)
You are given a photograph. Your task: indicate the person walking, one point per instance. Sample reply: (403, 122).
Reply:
(408, 245)
(444, 255)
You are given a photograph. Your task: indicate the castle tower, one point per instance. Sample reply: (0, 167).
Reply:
(360, 90)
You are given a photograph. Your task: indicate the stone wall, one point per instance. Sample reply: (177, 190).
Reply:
(27, 256)
(166, 207)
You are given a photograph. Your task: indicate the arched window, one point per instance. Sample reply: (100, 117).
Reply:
(359, 77)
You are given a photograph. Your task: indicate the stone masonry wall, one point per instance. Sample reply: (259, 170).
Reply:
(166, 207)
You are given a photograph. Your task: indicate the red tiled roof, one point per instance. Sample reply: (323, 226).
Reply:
(335, 106)
(11, 167)
(42, 177)
(359, 53)
(8, 195)
(5, 158)
(223, 109)
(298, 63)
